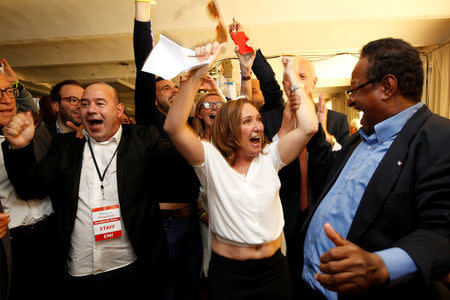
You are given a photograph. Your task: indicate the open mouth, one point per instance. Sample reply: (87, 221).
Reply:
(255, 140)
(94, 123)
(212, 117)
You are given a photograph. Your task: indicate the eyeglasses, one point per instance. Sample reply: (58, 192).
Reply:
(74, 101)
(210, 105)
(11, 92)
(351, 92)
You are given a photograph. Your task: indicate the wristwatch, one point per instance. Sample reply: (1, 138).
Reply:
(246, 77)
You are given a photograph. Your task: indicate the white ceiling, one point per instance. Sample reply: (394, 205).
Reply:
(48, 41)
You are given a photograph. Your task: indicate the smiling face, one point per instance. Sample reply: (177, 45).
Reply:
(101, 111)
(251, 131)
(307, 74)
(365, 99)
(208, 115)
(166, 91)
(7, 103)
(65, 110)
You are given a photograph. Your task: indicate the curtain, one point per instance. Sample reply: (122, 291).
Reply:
(437, 85)
(339, 104)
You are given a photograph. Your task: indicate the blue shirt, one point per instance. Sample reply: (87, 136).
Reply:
(339, 206)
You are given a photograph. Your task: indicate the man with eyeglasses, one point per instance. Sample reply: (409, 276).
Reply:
(66, 97)
(30, 222)
(380, 229)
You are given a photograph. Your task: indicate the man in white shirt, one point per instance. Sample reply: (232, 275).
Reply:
(31, 225)
(103, 192)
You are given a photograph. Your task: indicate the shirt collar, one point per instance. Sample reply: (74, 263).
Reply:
(114, 139)
(58, 130)
(391, 126)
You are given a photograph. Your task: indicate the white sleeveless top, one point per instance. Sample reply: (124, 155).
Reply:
(243, 210)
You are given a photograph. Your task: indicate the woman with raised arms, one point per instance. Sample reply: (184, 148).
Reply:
(239, 171)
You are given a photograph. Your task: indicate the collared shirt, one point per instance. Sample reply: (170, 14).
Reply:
(339, 206)
(58, 130)
(21, 212)
(86, 256)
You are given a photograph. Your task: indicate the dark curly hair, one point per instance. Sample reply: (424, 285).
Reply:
(396, 57)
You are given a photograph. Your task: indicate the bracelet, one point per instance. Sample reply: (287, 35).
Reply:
(292, 88)
(229, 83)
(246, 77)
(203, 215)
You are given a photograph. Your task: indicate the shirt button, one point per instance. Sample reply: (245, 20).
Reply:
(369, 147)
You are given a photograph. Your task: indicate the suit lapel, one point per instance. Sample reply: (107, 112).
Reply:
(121, 154)
(386, 175)
(77, 159)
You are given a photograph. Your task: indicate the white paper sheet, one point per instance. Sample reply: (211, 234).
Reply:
(168, 59)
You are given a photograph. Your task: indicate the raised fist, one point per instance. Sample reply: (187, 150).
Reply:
(20, 130)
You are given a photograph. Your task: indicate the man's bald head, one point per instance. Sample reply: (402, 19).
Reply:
(307, 74)
(115, 94)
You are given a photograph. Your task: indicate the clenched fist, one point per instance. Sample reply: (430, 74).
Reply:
(20, 130)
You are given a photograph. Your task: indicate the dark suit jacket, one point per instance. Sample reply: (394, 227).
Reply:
(272, 116)
(5, 264)
(337, 125)
(272, 110)
(406, 203)
(177, 170)
(141, 154)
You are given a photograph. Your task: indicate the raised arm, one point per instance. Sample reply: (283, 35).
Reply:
(291, 145)
(245, 62)
(145, 89)
(176, 126)
(273, 95)
(25, 100)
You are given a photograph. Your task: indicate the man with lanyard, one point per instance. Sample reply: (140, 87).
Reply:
(102, 189)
